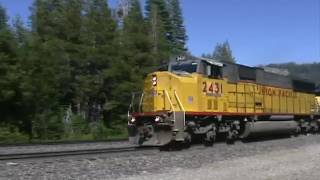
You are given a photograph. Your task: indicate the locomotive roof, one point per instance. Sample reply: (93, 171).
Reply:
(235, 72)
(188, 59)
(212, 61)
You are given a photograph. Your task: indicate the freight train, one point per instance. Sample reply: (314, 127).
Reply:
(200, 98)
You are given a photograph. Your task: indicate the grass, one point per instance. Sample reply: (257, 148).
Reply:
(119, 132)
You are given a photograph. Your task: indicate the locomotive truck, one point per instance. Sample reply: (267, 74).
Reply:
(200, 98)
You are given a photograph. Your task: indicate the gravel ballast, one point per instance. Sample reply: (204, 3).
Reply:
(298, 164)
(289, 158)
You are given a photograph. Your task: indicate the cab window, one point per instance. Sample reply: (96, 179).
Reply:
(213, 71)
(188, 67)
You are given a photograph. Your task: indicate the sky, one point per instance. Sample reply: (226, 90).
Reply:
(259, 31)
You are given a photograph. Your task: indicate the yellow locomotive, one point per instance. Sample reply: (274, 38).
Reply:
(203, 98)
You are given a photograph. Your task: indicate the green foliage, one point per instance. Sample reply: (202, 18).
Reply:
(3, 18)
(79, 125)
(159, 30)
(19, 30)
(99, 131)
(99, 53)
(222, 52)
(12, 135)
(9, 73)
(136, 48)
(48, 125)
(178, 38)
(167, 31)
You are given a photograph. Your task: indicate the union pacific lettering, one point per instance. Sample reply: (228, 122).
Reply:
(263, 90)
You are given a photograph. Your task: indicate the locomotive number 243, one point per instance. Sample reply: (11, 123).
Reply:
(212, 87)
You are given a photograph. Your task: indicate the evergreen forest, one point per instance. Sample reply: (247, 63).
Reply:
(70, 72)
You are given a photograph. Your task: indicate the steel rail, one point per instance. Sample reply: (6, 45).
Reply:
(52, 143)
(48, 154)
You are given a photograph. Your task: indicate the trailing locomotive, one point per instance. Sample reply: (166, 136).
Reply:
(203, 98)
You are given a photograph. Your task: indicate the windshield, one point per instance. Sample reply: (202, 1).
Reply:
(190, 68)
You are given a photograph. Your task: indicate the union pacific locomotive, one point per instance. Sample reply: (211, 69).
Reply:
(200, 98)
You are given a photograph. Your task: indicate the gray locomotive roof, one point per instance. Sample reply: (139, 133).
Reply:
(212, 61)
(236, 72)
(187, 59)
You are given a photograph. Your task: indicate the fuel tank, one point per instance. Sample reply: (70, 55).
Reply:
(275, 125)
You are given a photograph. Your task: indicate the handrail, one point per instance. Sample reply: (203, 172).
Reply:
(130, 109)
(140, 103)
(167, 95)
(169, 99)
(317, 107)
(179, 102)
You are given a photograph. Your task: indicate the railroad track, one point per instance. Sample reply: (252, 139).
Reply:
(61, 142)
(17, 156)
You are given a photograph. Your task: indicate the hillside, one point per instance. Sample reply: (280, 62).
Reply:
(308, 71)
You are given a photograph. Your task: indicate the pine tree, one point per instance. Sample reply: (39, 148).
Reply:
(49, 59)
(8, 55)
(99, 26)
(47, 19)
(20, 32)
(135, 38)
(223, 53)
(160, 29)
(3, 18)
(56, 32)
(100, 49)
(9, 73)
(136, 60)
(179, 37)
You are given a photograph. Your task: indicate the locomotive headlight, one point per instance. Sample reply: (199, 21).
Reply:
(132, 120)
(154, 83)
(154, 80)
(157, 119)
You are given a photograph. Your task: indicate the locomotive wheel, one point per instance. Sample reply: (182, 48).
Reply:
(231, 137)
(297, 132)
(209, 142)
(210, 138)
(187, 142)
